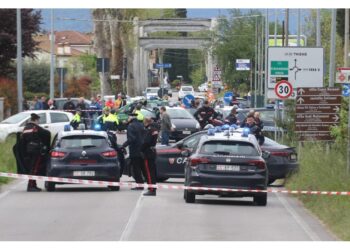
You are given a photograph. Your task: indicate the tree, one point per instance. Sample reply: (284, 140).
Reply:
(8, 89)
(8, 36)
(78, 87)
(36, 77)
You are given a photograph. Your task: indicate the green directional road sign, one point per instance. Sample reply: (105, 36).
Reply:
(279, 68)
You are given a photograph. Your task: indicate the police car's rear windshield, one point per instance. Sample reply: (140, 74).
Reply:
(229, 148)
(152, 90)
(83, 142)
(187, 89)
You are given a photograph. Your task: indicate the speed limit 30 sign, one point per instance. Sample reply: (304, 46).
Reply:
(283, 89)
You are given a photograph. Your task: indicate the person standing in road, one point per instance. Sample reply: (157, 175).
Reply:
(205, 114)
(82, 107)
(135, 138)
(37, 104)
(150, 153)
(69, 106)
(44, 105)
(108, 121)
(260, 136)
(35, 143)
(76, 120)
(137, 111)
(165, 126)
(232, 118)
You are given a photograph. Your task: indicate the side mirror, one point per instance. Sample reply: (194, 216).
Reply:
(180, 145)
(266, 154)
(185, 153)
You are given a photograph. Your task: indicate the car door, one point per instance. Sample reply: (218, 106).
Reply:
(57, 121)
(170, 162)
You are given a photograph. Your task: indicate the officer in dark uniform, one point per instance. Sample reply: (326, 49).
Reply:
(204, 114)
(34, 147)
(150, 154)
(135, 138)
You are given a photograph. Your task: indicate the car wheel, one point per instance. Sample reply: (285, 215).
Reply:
(114, 188)
(162, 179)
(261, 199)
(189, 197)
(50, 186)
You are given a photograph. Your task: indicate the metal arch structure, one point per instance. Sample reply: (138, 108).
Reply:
(144, 44)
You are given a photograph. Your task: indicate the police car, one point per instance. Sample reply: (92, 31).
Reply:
(229, 159)
(83, 154)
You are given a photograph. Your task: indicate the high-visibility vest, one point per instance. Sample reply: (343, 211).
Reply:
(76, 118)
(140, 116)
(110, 118)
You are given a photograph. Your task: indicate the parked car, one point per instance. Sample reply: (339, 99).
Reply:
(83, 155)
(185, 90)
(203, 87)
(52, 120)
(226, 160)
(283, 160)
(151, 92)
(184, 124)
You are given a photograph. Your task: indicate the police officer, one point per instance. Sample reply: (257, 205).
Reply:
(108, 120)
(150, 154)
(35, 142)
(77, 119)
(135, 138)
(204, 114)
(254, 129)
(232, 118)
(137, 111)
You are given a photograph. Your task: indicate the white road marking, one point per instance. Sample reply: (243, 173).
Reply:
(132, 220)
(312, 235)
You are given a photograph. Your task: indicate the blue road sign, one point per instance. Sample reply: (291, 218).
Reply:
(228, 97)
(187, 100)
(163, 65)
(346, 90)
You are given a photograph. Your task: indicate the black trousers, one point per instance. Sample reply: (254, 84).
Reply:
(137, 169)
(35, 162)
(150, 172)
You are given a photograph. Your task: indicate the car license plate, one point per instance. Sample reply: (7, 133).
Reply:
(83, 173)
(227, 167)
(186, 132)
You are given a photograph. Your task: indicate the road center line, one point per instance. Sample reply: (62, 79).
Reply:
(312, 235)
(132, 220)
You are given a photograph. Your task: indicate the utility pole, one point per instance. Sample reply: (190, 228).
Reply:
(262, 57)
(332, 49)
(298, 28)
(266, 46)
(19, 62)
(275, 34)
(286, 29)
(346, 39)
(318, 28)
(255, 61)
(52, 51)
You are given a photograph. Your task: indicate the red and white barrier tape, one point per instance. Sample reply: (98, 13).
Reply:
(165, 186)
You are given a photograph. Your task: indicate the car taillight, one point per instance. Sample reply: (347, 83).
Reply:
(57, 154)
(280, 153)
(110, 154)
(196, 161)
(258, 164)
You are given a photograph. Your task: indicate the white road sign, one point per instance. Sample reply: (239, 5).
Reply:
(301, 66)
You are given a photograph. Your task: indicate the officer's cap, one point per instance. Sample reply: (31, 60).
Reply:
(34, 117)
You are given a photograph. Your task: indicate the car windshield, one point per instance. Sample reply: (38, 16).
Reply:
(270, 143)
(83, 142)
(229, 148)
(16, 118)
(179, 114)
(152, 90)
(187, 89)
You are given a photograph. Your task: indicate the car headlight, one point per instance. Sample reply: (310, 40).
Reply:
(173, 126)
(198, 126)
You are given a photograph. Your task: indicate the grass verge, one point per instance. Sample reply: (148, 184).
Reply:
(7, 159)
(323, 169)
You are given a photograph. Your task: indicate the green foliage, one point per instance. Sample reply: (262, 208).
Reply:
(36, 77)
(340, 132)
(7, 159)
(236, 40)
(323, 169)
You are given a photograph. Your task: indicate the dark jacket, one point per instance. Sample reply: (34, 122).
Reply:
(151, 137)
(69, 105)
(135, 138)
(204, 114)
(231, 119)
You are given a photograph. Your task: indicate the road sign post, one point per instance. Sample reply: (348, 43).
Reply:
(317, 109)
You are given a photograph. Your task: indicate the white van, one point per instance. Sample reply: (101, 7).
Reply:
(185, 90)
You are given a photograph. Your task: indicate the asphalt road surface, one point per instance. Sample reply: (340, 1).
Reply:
(87, 213)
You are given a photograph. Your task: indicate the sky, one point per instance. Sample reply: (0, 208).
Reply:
(63, 17)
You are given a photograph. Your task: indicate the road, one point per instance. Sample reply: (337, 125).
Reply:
(83, 213)
(88, 213)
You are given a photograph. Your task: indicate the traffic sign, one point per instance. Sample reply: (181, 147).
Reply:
(346, 90)
(316, 110)
(187, 100)
(283, 89)
(216, 77)
(228, 97)
(342, 75)
(162, 65)
(242, 64)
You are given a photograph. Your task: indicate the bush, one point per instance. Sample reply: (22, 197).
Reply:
(7, 159)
